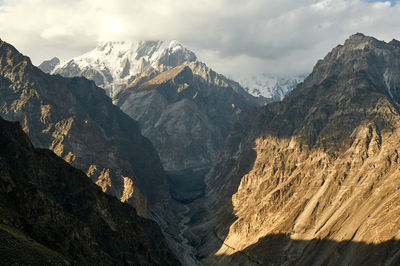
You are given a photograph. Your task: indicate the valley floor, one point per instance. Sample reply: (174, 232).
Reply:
(187, 189)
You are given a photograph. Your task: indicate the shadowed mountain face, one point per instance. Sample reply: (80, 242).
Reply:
(272, 250)
(76, 120)
(321, 164)
(52, 214)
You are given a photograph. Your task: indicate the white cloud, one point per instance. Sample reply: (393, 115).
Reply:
(233, 36)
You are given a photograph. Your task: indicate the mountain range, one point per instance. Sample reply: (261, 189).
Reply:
(112, 65)
(184, 107)
(230, 178)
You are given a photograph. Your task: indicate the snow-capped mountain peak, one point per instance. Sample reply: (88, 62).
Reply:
(270, 86)
(113, 64)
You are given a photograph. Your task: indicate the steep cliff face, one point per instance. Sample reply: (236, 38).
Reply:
(76, 120)
(186, 112)
(52, 214)
(315, 179)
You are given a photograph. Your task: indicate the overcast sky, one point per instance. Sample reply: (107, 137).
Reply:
(283, 37)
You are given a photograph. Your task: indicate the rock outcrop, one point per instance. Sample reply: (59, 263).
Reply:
(77, 120)
(314, 179)
(52, 214)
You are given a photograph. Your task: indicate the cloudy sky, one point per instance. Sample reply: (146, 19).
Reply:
(283, 37)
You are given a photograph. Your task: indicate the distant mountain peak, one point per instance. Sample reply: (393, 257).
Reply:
(114, 64)
(270, 86)
(49, 65)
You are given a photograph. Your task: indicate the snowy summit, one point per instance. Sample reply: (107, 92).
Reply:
(115, 64)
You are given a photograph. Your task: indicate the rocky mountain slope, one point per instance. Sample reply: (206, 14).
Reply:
(314, 179)
(52, 214)
(76, 120)
(185, 108)
(186, 112)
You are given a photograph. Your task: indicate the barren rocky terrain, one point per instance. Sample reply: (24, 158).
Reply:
(311, 180)
(314, 179)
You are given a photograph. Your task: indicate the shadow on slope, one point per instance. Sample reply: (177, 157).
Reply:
(187, 185)
(278, 250)
(316, 123)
